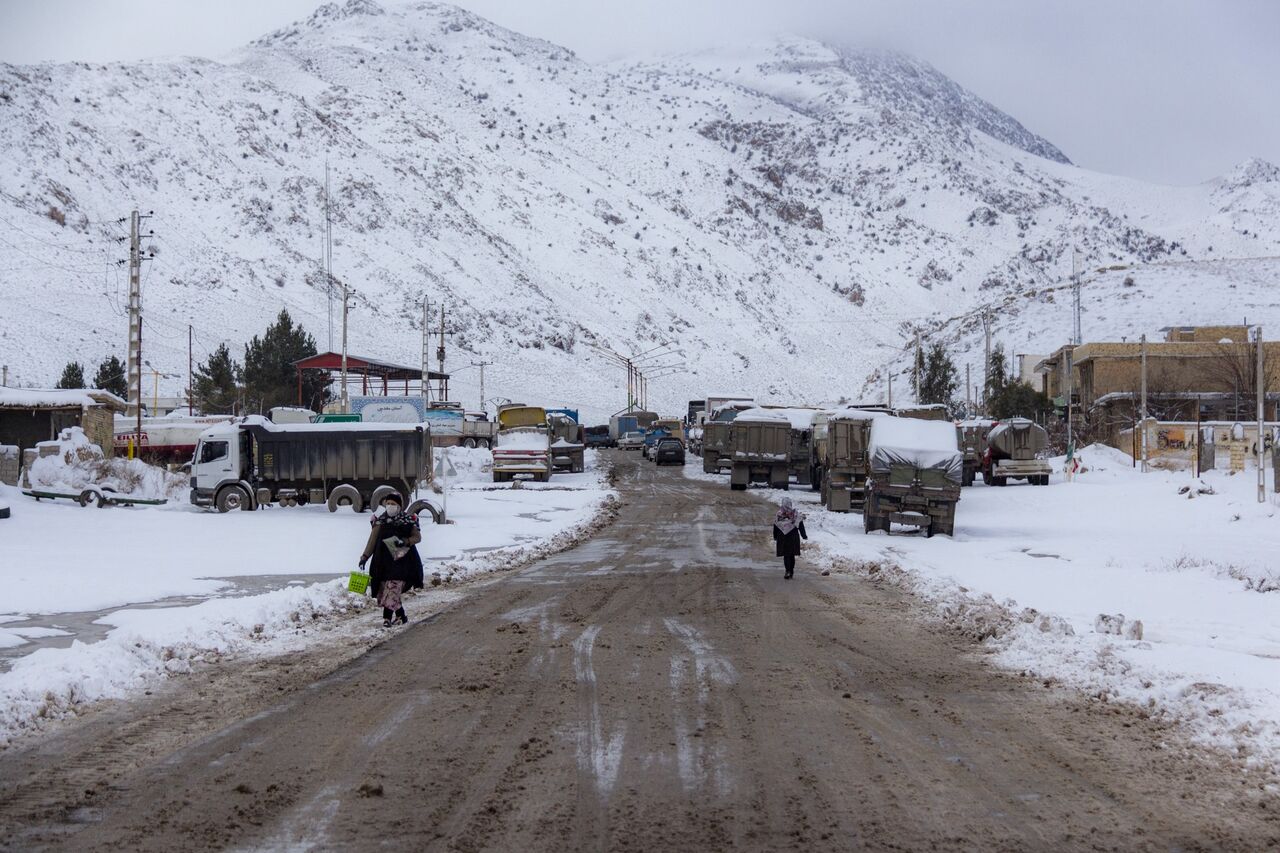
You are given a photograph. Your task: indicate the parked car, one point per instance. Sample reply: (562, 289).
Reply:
(670, 451)
(632, 441)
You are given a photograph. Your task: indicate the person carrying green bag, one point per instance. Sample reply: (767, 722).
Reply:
(396, 566)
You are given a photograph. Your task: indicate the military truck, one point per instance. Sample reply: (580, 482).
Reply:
(716, 452)
(841, 457)
(568, 449)
(760, 441)
(1013, 453)
(253, 463)
(523, 443)
(801, 420)
(972, 436)
(914, 474)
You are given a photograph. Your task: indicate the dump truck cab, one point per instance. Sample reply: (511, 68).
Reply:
(523, 443)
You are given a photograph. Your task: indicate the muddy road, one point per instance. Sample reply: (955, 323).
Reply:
(659, 687)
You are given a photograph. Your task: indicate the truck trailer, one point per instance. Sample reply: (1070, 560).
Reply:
(716, 452)
(568, 446)
(972, 435)
(913, 476)
(842, 458)
(254, 463)
(761, 449)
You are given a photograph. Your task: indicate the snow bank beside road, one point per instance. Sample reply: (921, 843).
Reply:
(1031, 568)
(171, 548)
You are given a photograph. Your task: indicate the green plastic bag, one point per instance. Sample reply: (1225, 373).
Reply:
(358, 582)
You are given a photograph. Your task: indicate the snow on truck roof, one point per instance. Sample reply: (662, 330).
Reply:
(57, 398)
(337, 426)
(914, 435)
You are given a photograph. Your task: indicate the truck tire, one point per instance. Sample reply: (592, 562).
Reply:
(231, 498)
(738, 487)
(421, 508)
(470, 443)
(484, 442)
(380, 494)
(345, 495)
(90, 497)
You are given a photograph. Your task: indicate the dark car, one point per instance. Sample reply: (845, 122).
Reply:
(669, 452)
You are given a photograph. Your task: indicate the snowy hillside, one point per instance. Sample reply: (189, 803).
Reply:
(786, 213)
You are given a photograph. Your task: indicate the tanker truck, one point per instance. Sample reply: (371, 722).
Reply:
(254, 463)
(1014, 449)
(913, 478)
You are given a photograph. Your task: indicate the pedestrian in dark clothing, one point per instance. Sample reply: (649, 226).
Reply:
(788, 530)
(397, 567)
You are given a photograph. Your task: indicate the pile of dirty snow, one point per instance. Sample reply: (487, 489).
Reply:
(80, 463)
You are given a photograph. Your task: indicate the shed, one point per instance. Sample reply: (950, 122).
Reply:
(32, 415)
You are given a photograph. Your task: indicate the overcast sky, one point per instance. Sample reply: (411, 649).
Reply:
(1166, 90)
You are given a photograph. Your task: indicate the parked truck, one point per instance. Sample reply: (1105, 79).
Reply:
(252, 463)
(1013, 452)
(841, 458)
(913, 478)
(716, 435)
(760, 440)
(972, 436)
(568, 447)
(801, 420)
(523, 443)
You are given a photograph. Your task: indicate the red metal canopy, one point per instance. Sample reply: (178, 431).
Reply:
(364, 368)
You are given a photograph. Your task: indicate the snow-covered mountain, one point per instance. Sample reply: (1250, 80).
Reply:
(787, 214)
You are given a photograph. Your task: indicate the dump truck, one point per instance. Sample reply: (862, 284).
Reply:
(523, 443)
(1013, 451)
(253, 463)
(913, 478)
(568, 448)
(841, 458)
(760, 442)
(716, 453)
(801, 421)
(972, 436)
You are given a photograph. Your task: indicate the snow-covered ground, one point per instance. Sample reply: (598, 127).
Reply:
(100, 602)
(1031, 569)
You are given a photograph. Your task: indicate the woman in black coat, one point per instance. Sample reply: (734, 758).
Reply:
(396, 564)
(788, 530)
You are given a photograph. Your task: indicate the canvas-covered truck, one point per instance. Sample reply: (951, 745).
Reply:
(972, 436)
(913, 476)
(568, 450)
(523, 443)
(716, 435)
(1013, 452)
(760, 442)
(843, 458)
(253, 463)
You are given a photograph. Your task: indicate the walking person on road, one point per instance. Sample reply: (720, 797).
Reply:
(788, 530)
(397, 567)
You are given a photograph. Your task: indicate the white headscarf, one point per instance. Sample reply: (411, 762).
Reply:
(788, 518)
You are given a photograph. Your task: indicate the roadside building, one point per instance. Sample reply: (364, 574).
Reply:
(31, 415)
(1205, 372)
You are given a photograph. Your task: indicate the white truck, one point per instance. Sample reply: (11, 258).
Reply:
(252, 463)
(523, 443)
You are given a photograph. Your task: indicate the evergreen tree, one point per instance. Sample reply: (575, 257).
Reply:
(72, 375)
(917, 375)
(939, 382)
(270, 378)
(998, 371)
(215, 385)
(1020, 400)
(111, 376)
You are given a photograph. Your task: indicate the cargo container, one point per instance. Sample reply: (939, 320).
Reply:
(761, 448)
(254, 463)
(914, 474)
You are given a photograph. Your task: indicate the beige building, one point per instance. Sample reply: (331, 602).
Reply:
(1196, 371)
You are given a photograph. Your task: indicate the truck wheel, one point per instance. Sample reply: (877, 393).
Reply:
(470, 443)
(484, 442)
(421, 508)
(380, 494)
(232, 497)
(90, 498)
(345, 495)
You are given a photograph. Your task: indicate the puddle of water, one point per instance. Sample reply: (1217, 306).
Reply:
(84, 626)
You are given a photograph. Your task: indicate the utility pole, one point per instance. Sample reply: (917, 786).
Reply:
(1075, 296)
(986, 365)
(968, 389)
(915, 367)
(1143, 424)
(890, 403)
(190, 372)
(346, 399)
(135, 322)
(326, 252)
(1262, 385)
(444, 383)
(482, 365)
(426, 351)
(4, 376)
(1068, 359)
